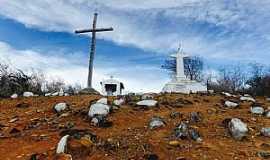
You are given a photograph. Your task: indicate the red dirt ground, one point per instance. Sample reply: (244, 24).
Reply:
(129, 135)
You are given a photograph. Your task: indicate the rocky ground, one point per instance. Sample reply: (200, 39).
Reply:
(31, 129)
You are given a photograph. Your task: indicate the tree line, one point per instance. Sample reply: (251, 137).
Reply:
(17, 81)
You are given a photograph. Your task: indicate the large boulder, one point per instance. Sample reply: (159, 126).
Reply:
(148, 103)
(257, 110)
(60, 107)
(28, 94)
(156, 122)
(237, 128)
(62, 145)
(103, 101)
(98, 109)
(230, 104)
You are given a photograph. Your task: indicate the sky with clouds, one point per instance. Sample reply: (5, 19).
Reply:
(40, 34)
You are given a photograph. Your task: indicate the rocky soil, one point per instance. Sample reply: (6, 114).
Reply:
(30, 128)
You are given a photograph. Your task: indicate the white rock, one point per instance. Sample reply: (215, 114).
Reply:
(55, 94)
(156, 122)
(98, 109)
(66, 94)
(118, 102)
(61, 92)
(249, 99)
(237, 128)
(14, 96)
(257, 110)
(231, 104)
(59, 107)
(268, 99)
(211, 91)
(62, 145)
(28, 94)
(265, 132)
(149, 103)
(226, 94)
(247, 95)
(47, 94)
(103, 101)
(35, 95)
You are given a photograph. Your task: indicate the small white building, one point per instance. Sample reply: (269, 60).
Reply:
(111, 87)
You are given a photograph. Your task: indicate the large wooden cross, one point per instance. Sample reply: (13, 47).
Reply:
(94, 30)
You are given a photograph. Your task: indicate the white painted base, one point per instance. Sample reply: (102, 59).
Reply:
(185, 87)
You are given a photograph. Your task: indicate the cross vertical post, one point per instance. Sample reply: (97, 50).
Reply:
(94, 30)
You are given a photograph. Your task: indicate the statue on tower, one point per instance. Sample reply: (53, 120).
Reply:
(180, 83)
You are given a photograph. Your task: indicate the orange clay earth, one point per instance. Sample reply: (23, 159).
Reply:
(33, 129)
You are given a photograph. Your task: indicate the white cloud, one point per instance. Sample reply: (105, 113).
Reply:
(158, 25)
(68, 68)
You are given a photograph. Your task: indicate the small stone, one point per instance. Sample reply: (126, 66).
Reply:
(174, 143)
(265, 131)
(230, 104)
(267, 114)
(28, 94)
(248, 99)
(181, 131)
(263, 154)
(119, 102)
(195, 117)
(60, 107)
(237, 128)
(156, 122)
(147, 103)
(13, 120)
(257, 110)
(101, 121)
(194, 134)
(62, 145)
(14, 96)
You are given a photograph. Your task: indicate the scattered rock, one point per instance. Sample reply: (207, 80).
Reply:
(181, 131)
(14, 96)
(257, 110)
(226, 94)
(48, 94)
(267, 114)
(103, 101)
(248, 99)
(174, 143)
(263, 154)
(101, 121)
(62, 145)
(195, 117)
(118, 102)
(265, 132)
(230, 104)
(60, 107)
(195, 135)
(156, 122)
(13, 120)
(55, 94)
(66, 94)
(28, 94)
(98, 109)
(237, 128)
(148, 103)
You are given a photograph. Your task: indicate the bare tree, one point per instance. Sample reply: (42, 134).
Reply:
(193, 67)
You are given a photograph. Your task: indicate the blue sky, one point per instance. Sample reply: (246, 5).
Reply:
(39, 34)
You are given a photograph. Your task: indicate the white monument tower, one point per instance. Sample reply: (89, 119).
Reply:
(180, 83)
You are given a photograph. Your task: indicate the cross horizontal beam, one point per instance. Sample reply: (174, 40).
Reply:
(93, 30)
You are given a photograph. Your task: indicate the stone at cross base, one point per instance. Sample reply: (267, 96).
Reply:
(180, 83)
